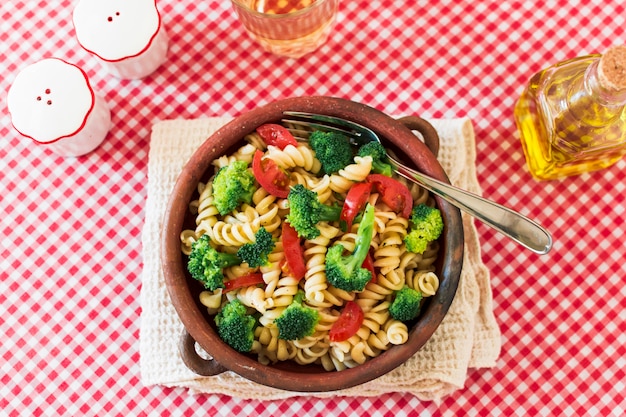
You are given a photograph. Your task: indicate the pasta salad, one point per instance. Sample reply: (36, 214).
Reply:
(349, 326)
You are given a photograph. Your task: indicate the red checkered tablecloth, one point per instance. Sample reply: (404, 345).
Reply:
(70, 249)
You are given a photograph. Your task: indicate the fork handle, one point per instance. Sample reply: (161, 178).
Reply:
(508, 222)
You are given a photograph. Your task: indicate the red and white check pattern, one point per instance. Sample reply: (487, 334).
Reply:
(70, 254)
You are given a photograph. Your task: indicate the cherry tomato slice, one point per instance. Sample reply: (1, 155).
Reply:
(355, 202)
(393, 193)
(368, 263)
(273, 179)
(276, 135)
(348, 323)
(247, 280)
(294, 252)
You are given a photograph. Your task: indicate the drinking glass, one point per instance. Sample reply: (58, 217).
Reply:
(290, 28)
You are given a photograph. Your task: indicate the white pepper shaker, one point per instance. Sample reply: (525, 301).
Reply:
(126, 36)
(53, 103)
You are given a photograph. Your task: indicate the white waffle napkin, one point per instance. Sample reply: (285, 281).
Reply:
(468, 337)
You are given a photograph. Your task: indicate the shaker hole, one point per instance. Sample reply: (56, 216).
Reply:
(110, 19)
(38, 98)
(47, 91)
(49, 102)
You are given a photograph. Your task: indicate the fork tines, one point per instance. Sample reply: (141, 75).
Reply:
(302, 124)
(299, 130)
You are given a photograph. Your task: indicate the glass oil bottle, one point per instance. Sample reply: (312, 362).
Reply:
(572, 116)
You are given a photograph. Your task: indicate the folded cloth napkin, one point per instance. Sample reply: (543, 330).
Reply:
(468, 337)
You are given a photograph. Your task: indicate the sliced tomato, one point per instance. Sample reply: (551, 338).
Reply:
(368, 264)
(393, 193)
(247, 280)
(276, 135)
(294, 252)
(273, 179)
(355, 202)
(348, 323)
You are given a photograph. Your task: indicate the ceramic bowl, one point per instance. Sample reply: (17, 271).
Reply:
(396, 134)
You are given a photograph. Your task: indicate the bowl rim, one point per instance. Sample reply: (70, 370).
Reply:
(247, 367)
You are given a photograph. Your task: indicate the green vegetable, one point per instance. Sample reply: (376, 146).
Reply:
(346, 272)
(233, 184)
(380, 161)
(297, 321)
(306, 211)
(206, 263)
(426, 227)
(332, 149)
(406, 304)
(235, 326)
(255, 254)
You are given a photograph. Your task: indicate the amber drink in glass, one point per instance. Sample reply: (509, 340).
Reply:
(290, 28)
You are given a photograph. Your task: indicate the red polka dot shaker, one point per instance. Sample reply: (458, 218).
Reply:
(52, 102)
(126, 36)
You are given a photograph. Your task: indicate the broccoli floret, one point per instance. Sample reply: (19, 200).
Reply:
(380, 161)
(406, 304)
(306, 211)
(255, 254)
(235, 326)
(233, 184)
(346, 272)
(206, 263)
(332, 149)
(297, 321)
(426, 226)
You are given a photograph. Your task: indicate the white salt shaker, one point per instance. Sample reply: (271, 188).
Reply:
(126, 36)
(53, 103)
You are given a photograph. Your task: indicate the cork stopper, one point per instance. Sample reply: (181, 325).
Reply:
(612, 68)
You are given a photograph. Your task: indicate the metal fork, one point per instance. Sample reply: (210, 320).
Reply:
(506, 221)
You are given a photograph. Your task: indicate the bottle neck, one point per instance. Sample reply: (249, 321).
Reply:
(594, 87)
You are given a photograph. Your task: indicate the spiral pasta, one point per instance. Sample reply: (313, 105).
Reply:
(345, 178)
(245, 153)
(394, 265)
(291, 156)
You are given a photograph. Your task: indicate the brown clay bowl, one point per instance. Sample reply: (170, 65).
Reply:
(184, 290)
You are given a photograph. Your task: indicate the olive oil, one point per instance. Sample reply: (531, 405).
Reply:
(572, 118)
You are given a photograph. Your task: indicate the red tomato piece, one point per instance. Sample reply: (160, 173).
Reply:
(393, 193)
(294, 252)
(273, 179)
(348, 323)
(368, 264)
(247, 280)
(276, 135)
(355, 202)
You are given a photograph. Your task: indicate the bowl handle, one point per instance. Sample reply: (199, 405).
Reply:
(428, 132)
(199, 365)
